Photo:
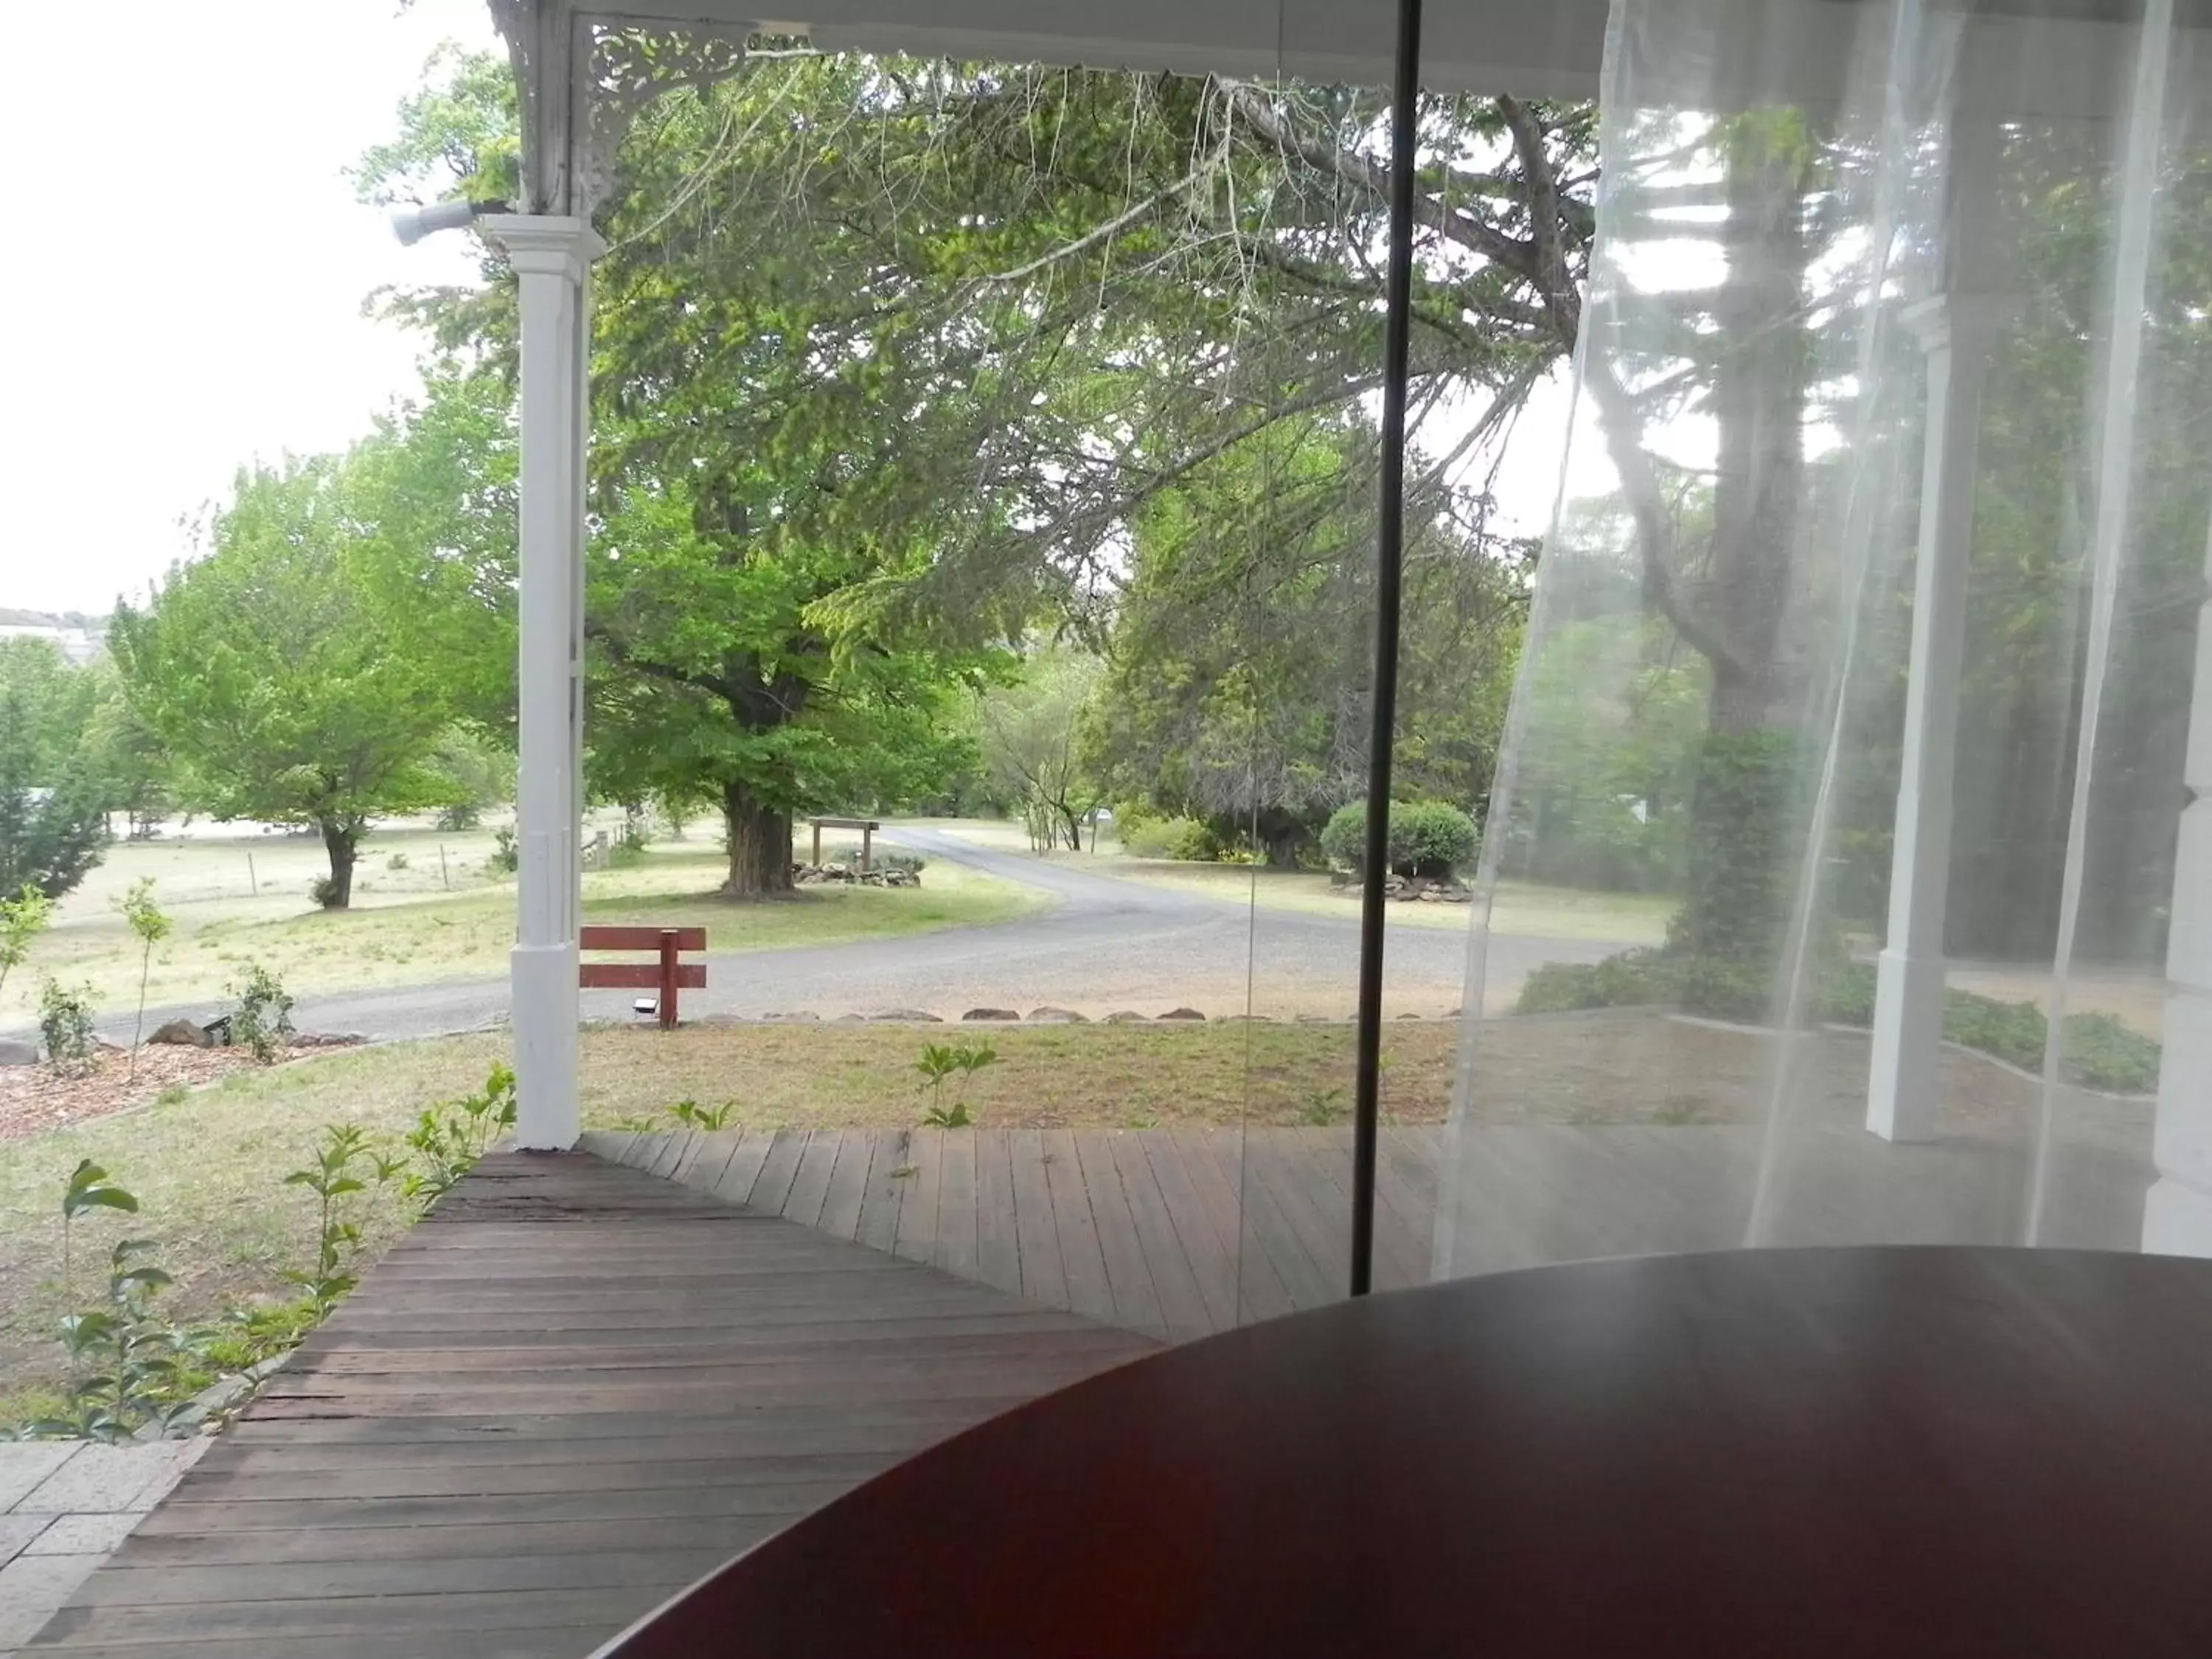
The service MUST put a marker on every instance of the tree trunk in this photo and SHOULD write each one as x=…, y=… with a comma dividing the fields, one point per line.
x=339, y=837
x=759, y=841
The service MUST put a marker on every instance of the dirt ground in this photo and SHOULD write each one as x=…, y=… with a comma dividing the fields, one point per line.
x=36, y=1098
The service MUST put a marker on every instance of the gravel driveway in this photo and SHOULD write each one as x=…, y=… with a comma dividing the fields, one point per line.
x=1104, y=944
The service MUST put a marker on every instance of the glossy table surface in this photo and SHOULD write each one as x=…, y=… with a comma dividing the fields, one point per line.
x=1874, y=1452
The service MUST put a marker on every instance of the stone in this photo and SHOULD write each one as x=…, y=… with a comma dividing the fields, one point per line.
x=183, y=1034
x=106, y=1479
x=83, y=1535
x=25, y=1463
x=1127, y=1016
x=1058, y=1017
x=799, y=1016
x=1182, y=1013
x=32, y=1590
x=18, y=1531
x=326, y=1039
x=991, y=1013
x=13, y=1053
x=910, y=1016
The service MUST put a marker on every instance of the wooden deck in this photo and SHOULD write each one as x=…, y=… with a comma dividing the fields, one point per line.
x=1175, y=1233
x=569, y=1392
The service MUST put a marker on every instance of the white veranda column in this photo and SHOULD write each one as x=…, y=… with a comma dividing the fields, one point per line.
x=1955, y=330
x=2177, y=1212
x=551, y=255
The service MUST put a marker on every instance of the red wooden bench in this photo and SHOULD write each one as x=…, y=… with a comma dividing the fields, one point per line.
x=667, y=977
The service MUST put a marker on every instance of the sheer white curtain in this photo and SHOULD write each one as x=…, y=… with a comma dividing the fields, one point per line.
x=1864, y=701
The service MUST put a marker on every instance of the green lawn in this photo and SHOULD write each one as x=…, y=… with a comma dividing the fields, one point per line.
x=407, y=929
x=209, y=1169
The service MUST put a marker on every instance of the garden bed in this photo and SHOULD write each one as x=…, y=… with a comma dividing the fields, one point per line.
x=36, y=1098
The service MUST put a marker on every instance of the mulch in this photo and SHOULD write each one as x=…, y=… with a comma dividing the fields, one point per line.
x=36, y=1098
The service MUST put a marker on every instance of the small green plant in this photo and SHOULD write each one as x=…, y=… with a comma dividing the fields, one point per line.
x=697, y=1116
x=397, y=861
x=22, y=919
x=124, y=1363
x=173, y=1094
x=503, y=858
x=1322, y=1107
x=149, y=927
x=939, y=1063
x=263, y=1019
x=449, y=1138
x=66, y=1023
x=330, y=1177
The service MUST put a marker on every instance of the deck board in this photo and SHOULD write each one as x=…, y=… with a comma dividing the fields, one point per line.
x=573, y=1390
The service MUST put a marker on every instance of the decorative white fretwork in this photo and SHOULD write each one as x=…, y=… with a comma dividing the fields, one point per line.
x=583, y=76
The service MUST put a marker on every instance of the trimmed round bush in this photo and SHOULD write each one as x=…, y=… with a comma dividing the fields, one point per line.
x=1344, y=836
x=1431, y=838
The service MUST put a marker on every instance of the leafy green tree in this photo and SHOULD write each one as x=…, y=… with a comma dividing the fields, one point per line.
x=283, y=669
x=53, y=822
x=22, y=919
x=901, y=353
x=1239, y=664
x=1031, y=735
x=149, y=925
x=714, y=674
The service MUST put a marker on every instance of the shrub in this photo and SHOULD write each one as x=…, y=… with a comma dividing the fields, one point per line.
x=503, y=858
x=1634, y=978
x=397, y=861
x=263, y=1016
x=459, y=817
x=911, y=862
x=2099, y=1051
x=1431, y=838
x=1344, y=837
x=1169, y=838
x=1434, y=837
x=323, y=890
x=2104, y=1053
x=65, y=1023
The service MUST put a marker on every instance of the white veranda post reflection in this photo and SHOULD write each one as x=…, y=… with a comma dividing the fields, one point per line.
x=1876, y=650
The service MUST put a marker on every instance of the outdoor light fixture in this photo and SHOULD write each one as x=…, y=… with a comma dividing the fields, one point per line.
x=412, y=224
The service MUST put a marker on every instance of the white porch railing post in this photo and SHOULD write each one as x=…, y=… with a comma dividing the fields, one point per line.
x=2178, y=1211
x=551, y=256
x=1955, y=330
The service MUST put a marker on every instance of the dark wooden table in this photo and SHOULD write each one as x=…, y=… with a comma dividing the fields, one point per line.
x=1876, y=1453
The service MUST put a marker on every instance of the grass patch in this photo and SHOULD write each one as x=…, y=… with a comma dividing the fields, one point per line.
x=857, y=1075
x=411, y=937
x=208, y=1171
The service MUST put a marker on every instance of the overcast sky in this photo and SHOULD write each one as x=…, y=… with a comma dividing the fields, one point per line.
x=186, y=263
